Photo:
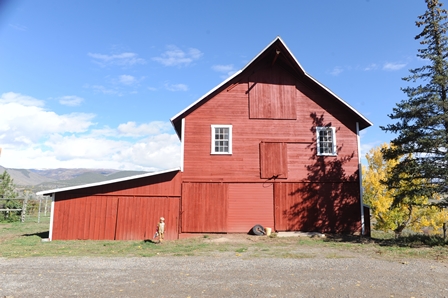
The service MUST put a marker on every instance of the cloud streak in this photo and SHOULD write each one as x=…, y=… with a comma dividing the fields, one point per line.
x=393, y=66
x=70, y=101
x=123, y=59
x=174, y=56
x=227, y=70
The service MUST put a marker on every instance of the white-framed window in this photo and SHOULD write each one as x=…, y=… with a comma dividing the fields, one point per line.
x=326, y=141
x=221, y=139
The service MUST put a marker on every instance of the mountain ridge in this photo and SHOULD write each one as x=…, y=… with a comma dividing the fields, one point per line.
x=44, y=179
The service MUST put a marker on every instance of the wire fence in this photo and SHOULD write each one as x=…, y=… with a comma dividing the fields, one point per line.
x=27, y=208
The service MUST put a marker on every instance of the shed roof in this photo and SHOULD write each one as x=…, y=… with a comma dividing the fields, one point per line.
x=276, y=44
x=52, y=191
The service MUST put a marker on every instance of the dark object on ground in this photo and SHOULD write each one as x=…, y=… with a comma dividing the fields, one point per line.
x=257, y=230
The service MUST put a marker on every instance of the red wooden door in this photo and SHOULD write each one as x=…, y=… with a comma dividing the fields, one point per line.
x=249, y=204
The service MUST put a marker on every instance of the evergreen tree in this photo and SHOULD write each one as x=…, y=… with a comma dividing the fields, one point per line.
x=7, y=195
x=422, y=119
x=7, y=190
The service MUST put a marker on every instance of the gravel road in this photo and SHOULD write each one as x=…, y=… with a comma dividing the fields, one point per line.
x=221, y=276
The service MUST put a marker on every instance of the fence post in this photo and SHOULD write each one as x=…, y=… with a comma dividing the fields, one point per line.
x=24, y=205
x=38, y=214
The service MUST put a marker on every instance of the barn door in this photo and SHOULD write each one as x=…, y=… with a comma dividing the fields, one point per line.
x=273, y=161
x=249, y=204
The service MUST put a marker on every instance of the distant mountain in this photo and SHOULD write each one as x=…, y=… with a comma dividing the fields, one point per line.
x=37, y=180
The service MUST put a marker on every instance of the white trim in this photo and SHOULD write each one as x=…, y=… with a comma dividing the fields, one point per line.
x=182, y=145
x=50, y=233
x=333, y=137
x=52, y=191
x=212, y=139
x=361, y=190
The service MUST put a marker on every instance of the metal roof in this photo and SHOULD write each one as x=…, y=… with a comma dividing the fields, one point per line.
x=51, y=191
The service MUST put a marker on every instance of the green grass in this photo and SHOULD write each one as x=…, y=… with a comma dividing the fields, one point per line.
x=25, y=240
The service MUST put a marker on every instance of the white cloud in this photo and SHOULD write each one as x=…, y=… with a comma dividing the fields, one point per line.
x=123, y=59
x=104, y=90
x=17, y=98
x=372, y=66
x=393, y=66
x=70, y=100
x=21, y=122
x=18, y=27
x=34, y=137
x=127, y=79
x=176, y=87
x=228, y=70
x=176, y=57
x=152, y=128
x=153, y=153
x=336, y=71
x=160, y=151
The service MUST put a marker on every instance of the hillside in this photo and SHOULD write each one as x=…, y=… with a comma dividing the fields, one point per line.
x=38, y=180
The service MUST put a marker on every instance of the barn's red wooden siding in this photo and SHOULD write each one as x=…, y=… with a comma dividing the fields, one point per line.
x=204, y=207
x=125, y=210
x=231, y=106
x=166, y=184
x=272, y=94
x=249, y=204
x=320, y=207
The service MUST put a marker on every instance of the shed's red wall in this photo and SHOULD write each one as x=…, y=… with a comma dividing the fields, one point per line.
x=127, y=210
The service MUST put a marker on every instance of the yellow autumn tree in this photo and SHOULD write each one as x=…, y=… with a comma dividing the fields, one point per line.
x=414, y=213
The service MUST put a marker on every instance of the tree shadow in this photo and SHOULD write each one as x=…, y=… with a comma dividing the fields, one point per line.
x=42, y=235
x=327, y=200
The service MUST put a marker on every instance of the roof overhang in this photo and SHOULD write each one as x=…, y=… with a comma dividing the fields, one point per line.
x=52, y=191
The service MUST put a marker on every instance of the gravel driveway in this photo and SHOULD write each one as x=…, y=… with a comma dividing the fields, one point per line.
x=221, y=276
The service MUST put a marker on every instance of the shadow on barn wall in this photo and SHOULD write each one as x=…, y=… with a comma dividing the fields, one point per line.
x=327, y=200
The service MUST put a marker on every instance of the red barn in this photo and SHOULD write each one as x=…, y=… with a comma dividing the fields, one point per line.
x=270, y=146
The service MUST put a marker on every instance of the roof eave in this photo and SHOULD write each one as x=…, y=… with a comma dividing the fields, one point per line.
x=51, y=191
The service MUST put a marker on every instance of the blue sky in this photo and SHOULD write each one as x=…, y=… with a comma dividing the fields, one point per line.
x=93, y=84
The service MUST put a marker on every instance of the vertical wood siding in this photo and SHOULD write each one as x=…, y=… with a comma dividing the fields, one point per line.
x=167, y=184
x=272, y=94
x=273, y=160
x=249, y=204
x=114, y=218
x=320, y=207
x=138, y=217
x=85, y=218
x=204, y=207
x=125, y=210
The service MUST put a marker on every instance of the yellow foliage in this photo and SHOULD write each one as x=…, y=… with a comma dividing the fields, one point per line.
x=414, y=214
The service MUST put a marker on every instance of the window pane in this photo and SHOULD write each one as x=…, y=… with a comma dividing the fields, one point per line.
x=222, y=139
x=325, y=141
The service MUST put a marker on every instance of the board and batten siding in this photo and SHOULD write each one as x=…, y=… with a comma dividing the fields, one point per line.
x=127, y=210
x=317, y=207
